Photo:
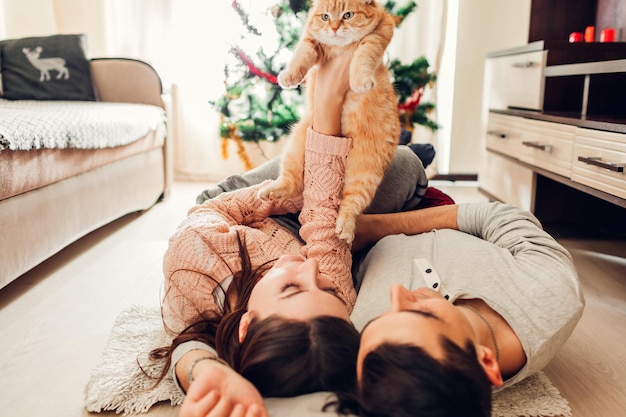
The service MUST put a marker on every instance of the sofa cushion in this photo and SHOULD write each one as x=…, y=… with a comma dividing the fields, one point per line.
x=46, y=68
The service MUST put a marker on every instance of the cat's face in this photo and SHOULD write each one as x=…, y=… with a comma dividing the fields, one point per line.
x=342, y=22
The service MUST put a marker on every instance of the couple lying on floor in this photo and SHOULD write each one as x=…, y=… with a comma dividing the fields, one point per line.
x=453, y=300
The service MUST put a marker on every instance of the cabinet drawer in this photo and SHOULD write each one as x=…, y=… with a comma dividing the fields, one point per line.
x=599, y=161
x=516, y=80
x=504, y=134
x=507, y=180
x=548, y=145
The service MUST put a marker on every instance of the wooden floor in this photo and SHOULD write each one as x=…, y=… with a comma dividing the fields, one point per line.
x=55, y=320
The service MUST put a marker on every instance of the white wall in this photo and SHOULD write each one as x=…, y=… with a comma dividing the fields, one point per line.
x=2, y=24
x=475, y=27
x=80, y=16
x=25, y=18
x=37, y=18
x=472, y=29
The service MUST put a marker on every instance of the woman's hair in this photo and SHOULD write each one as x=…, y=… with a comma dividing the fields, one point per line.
x=285, y=358
x=405, y=381
x=280, y=357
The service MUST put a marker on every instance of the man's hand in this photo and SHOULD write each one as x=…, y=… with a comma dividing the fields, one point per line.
x=219, y=391
x=370, y=228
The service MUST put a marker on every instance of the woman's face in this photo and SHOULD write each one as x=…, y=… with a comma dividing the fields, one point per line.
x=417, y=318
x=292, y=288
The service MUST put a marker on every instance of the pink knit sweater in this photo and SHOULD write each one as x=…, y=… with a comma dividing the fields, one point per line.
x=204, y=248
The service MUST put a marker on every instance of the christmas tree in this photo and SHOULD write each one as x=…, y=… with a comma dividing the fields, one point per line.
x=254, y=107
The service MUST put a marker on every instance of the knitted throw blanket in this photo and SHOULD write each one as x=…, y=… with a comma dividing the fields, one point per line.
x=117, y=384
x=38, y=124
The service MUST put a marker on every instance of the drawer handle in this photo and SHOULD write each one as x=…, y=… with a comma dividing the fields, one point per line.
x=597, y=161
x=526, y=64
x=537, y=145
x=497, y=134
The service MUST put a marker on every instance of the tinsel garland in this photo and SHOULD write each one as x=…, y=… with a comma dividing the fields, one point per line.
x=241, y=150
x=253, y=68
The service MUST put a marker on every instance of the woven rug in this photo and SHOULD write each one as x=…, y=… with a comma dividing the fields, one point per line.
x=117, y=384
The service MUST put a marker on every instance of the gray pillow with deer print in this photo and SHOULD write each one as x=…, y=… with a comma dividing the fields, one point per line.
x=46, y=68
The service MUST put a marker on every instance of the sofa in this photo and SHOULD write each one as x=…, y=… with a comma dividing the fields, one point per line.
x=52, y=194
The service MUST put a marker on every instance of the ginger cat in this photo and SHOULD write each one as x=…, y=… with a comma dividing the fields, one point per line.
x=370, y=115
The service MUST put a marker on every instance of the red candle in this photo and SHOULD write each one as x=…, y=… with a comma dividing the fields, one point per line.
x=590, y=34
x=607, y=35
x=575, y=37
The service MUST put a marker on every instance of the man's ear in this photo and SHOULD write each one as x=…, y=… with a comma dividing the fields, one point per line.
x=488, y=361
x=243, y=325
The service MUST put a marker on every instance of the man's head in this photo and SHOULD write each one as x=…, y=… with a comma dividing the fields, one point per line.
x=423, y=357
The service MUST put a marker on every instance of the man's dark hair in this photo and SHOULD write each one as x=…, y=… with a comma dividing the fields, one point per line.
x=405, y=381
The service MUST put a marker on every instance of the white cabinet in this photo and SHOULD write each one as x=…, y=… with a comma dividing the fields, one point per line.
x=548, y=145
x=599, y=161
x=516, y=81
x=559, y=121
x=504, y=134
x=503, y=179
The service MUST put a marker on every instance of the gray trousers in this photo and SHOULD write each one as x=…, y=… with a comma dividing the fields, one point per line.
x=401, y=189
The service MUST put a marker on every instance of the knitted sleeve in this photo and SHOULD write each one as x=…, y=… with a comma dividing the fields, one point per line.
x=242, y=206
x=324, y=168
x=268, y=170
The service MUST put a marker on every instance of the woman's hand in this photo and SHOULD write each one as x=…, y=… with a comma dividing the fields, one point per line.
x=219, y=391
x=331, y=85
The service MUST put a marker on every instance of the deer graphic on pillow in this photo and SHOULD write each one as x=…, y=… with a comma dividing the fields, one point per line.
x=44, y=65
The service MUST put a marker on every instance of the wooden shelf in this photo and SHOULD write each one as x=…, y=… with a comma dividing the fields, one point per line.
x=620, y=202
x=587, y=68
x=606, y=123
x=562, y=53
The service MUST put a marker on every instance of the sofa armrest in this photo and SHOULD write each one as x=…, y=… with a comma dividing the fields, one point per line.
x=125, y=80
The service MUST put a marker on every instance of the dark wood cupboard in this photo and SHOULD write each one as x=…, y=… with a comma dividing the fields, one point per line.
x=554, y=20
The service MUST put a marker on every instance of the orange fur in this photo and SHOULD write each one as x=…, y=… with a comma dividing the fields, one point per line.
x=370, y=115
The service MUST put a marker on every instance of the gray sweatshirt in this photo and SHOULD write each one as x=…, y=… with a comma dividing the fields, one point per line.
x=501, y=255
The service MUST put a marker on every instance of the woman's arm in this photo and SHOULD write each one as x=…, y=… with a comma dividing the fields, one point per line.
x=241, y=207
x=217, y=388
x=325, y=163
x=331, y=86
x=267, y=171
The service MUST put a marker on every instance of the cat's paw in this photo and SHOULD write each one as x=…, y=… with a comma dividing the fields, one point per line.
x=345, y=228
x=274, y=191
x=290, y=79
x=269, y=192
x=362, y=83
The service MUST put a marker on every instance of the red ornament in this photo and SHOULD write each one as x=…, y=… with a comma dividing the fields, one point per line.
x=412, y=102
